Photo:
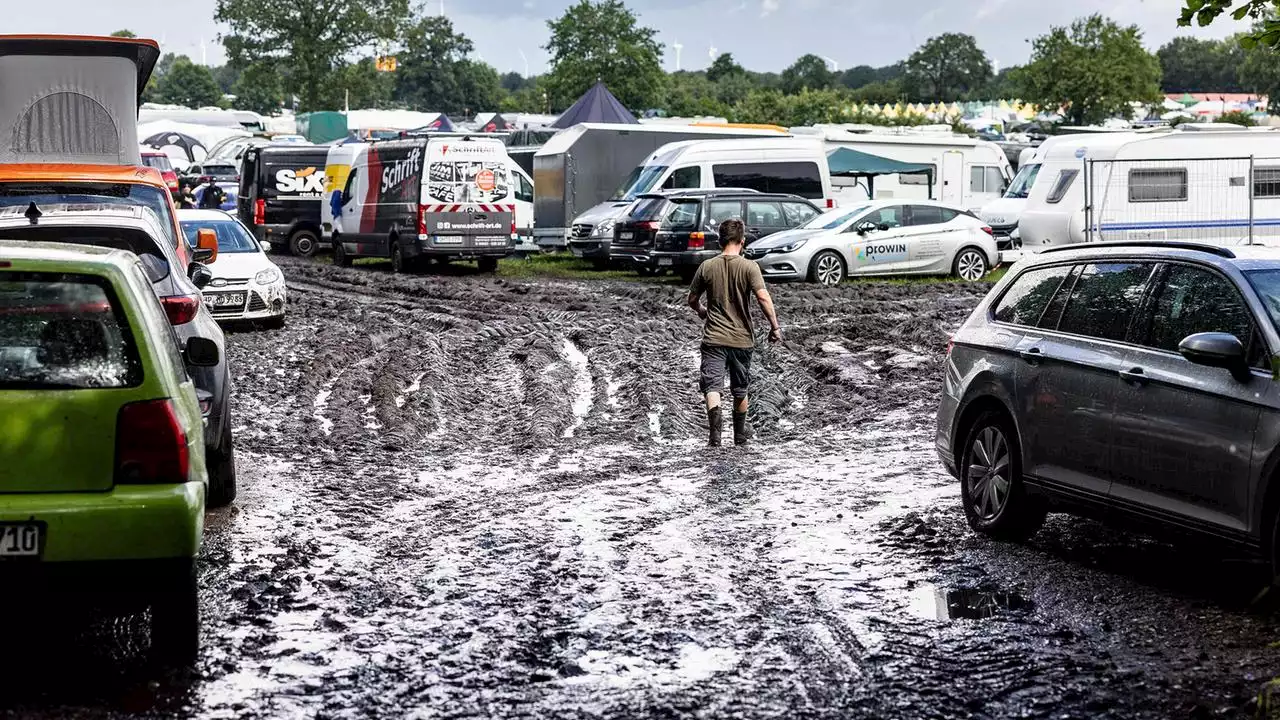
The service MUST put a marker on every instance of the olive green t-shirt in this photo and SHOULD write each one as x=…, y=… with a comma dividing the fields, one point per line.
x=730, y=282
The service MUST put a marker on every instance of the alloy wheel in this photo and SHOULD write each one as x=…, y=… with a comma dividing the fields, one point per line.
x=828, y=270
x=989, y=473
x=971, y=265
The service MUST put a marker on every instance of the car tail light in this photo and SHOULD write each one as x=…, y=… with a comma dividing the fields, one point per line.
x=697, y=240
x=422, y=219
x=987, y=229
x=150, y=444
x=181, y=309
x=649, y=225
x=831, y=203
x=260, y=212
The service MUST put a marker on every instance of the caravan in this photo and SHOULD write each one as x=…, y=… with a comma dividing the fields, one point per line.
x=1208, y=183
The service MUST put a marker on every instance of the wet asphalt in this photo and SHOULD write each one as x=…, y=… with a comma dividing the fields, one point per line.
x=463, y=496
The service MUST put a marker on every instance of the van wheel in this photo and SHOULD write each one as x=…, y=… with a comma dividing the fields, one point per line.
x=970, y=264
x=995, y=499
x=827, y=269
x=398, y=264
x=222, y=469
x=340, y=256
x=304, y=243
x=175, y=617
x=488, y=264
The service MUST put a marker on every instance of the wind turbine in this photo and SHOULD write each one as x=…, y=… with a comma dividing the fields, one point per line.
x=526, y=61
x=712, y=53
x=677, y=47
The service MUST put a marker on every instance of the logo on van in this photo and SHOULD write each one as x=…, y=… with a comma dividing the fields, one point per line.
x=306, y=180
x=409, y=167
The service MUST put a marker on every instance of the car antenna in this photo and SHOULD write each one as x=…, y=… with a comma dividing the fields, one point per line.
x=33, y=213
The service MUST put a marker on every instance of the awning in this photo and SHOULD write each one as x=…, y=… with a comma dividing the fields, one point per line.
x=855, y=163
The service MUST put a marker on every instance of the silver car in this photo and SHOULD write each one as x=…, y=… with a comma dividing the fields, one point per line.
x=881, y=237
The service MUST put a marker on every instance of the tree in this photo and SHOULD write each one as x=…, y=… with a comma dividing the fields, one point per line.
x=856, y=77
x=226, y=77
x=360, y=84
x=692, y=94
x=1238, y=117
x=878, y=93
x=435, y=74
x=123, y=34
x=311, y=35
x=189, y=84
x=1193, y=65
x=514, y=81
x=723, y=68
x=809, y=72
x=1094, y=69
x=767, y=106
x=601, y=40
x=259, y=88
x=1265, y=13
x=1259, y=73
x=947, y=67
x=732, y=88
x=481, y=87
x=531, y=98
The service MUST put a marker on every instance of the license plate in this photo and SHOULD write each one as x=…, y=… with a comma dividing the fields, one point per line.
x=664, y=261
x=224, y=299
x=21, y=540
x=625, y=235
x=448, y=239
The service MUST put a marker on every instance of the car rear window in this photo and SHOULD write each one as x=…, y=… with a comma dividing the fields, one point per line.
x=649, y=209
x=1028, y=295
x=159, y=162
x=135, y=241
x=63, y=331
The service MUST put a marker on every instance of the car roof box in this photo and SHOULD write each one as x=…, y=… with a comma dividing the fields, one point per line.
x=72, y=99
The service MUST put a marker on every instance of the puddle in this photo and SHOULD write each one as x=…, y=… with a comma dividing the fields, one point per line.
x=935, y=603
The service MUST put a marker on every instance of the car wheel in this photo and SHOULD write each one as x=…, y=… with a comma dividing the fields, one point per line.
x=827, y=269
x=175, y=617
x=340, y=256
x=304, y=243
x=222, y=469
x=488, y=264
x=970, y=264
x=995, y=499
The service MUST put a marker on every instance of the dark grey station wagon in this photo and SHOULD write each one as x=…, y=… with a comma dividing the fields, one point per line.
x=1132, y=382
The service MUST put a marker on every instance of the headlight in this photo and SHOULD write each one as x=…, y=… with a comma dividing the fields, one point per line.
x=791, y=246
x=267, y=276
x=605, y=229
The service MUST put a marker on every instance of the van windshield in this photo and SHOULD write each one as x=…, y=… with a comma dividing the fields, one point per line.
x=641, y=180
x=71, y=193
x=1020, y=188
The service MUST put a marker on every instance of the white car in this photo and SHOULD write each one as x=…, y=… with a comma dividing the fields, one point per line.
x=246, y=285
x=880, y=237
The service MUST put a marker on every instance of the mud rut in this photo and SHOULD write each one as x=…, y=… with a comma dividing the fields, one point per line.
x=468, y=497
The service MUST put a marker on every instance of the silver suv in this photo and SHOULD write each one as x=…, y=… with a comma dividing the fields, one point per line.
x=1128, y=381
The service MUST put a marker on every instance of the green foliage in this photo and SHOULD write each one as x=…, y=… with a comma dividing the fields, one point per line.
x=762, y=106
x=808, y=73
x=601, y=40
x=259, y=88
x=124, y=34
x=1238, y=117
x=436, y=74
x=691, y=94
x=723, y=68
x=311, y=36
x=362, y=83
x=532, y=98
x=1259, y=72
x=879, y=93
x=1266, y=29
x=948, y=67
x=1193, y=65
x=226, y=77
x=859, y=76
x=1094, y=69
x=189, y=84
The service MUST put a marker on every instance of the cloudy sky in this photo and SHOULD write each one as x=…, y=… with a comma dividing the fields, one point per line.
x=761, y=34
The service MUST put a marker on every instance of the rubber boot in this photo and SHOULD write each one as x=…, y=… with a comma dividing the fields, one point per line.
x=742, y=432
x=716, y=422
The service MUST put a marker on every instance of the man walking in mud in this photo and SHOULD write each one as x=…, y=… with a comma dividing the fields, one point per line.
x=729, y=281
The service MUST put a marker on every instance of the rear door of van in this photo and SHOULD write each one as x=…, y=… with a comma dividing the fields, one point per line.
x=294, y=185
x=468, y=200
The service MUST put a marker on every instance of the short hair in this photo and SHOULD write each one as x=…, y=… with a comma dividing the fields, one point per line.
x=732, y=232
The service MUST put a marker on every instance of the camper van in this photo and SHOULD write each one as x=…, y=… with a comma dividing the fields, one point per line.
x=951, y=168
x=440, y=198
x=579, y=168
x=343, y=157
x=1204, y=182
x=787, y=165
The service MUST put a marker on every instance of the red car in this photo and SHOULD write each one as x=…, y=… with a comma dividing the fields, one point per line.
x=160, y=161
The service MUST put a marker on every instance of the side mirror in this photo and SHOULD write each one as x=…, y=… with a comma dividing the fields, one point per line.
x=1215, y=349
x=206, y=246
x=201, y=352
x=199, y=274
x=864, y=227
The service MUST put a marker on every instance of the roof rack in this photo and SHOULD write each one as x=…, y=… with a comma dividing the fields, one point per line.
x=1199, y=247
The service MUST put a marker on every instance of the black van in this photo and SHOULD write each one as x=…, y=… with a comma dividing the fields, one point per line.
x=281, y=189
x=678, y=229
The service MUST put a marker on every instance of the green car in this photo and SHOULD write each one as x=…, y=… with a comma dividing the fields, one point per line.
x=102, y=465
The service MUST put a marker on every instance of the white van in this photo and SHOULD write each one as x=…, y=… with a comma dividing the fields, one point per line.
x=796, y=166
x=1208, y=183
x=439, y=198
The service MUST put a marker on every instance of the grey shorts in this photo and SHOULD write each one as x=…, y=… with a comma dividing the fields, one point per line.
x=716, y=359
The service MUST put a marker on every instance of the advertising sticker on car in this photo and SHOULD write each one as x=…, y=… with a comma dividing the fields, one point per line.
x=881, y=252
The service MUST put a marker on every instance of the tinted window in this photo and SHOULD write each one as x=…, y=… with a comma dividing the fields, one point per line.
x=682, y=215
x=720, y=210
x=1025, y=300
x=1061, y=185
x=926, y=215
x=648, y=208
x=798, y=214
x=1158, y=185
x=891, y=216
x=764, y=214
x=524, y=191
x=793, y=178
x=684, y=178
x=63, y=331
x=1104, y=298
x=1194, y=300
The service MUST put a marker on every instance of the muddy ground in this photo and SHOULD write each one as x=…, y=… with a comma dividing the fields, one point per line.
x=471, y=497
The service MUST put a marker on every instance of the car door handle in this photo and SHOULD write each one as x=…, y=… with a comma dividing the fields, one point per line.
x=1134, y=376
x=1032, y=355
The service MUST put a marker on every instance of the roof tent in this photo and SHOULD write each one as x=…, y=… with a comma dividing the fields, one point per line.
x=847, y=162
x=72, y=99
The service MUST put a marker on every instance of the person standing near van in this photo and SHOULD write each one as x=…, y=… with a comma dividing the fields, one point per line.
x=729, y=281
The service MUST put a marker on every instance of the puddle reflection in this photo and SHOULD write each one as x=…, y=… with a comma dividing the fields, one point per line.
x=935, y=603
